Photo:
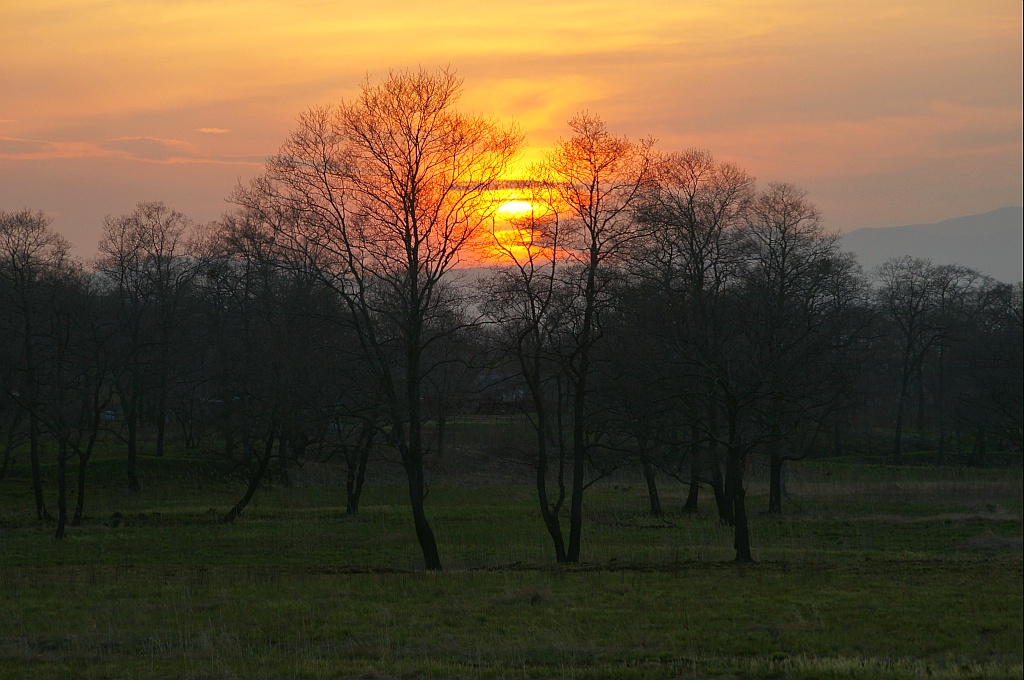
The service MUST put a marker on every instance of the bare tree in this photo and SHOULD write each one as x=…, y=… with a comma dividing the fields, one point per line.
x=775, y=321
x=680, y=271
x=521, y=301
x=588, y=187
x=918, y=300
x=986, y=369
x=634, y=397
x=74, y=387
x=30, y=255
x=804, y=297
x=270, y=324
x=382, y=194
x=142, y=258
x=252, y=348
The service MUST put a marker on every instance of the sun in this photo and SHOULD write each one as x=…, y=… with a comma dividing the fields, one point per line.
x=516, y=208
x=514, y=234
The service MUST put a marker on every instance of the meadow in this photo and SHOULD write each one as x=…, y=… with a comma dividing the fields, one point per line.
x=871, y=571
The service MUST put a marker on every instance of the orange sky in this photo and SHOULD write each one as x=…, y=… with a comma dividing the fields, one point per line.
x=886, y=112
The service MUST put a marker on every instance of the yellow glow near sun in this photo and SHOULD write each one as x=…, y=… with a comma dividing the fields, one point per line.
x=515, y=244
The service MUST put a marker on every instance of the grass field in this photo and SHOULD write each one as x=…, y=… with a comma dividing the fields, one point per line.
x=872, y=571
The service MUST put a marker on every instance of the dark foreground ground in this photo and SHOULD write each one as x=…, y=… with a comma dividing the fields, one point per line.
x=871, y=571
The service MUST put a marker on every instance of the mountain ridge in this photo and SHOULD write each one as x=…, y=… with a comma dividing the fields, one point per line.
x=992, y=243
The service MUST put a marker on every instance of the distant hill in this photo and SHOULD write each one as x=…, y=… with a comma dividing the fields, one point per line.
x=991, y=243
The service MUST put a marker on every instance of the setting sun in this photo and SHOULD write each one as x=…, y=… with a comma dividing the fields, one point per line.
x=513, y=237
x=516, y=208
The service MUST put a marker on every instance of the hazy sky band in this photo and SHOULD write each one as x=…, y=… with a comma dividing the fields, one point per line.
x=887, y=113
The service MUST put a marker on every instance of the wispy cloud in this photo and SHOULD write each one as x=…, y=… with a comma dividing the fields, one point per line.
x=11, y=147
x=36, y=149
x=151, y=148
x=212, y=131
x=144, y=149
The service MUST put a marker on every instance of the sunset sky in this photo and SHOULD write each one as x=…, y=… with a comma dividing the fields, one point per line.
x=886, y=112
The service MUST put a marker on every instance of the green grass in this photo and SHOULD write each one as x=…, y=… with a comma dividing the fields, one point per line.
x=885, y=619
x=871, y=572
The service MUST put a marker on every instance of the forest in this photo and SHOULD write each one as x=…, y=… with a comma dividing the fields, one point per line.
x=624, y=385
x=635, y=307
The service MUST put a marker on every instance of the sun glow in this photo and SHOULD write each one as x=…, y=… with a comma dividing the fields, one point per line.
x=516, y=244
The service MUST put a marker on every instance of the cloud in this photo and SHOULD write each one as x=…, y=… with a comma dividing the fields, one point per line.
x=140, y=148
x=35, y=149
x=135, y=149
x=11, y=147
x=151, y=148
x=212, y=131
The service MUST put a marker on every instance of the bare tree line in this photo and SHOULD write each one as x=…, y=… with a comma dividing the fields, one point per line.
x=653, y=309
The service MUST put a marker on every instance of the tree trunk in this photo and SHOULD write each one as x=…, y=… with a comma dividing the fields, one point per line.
x=76, y=521
x=84, y=456
x=919, y=389
x=580, y=379
x=424, y=534
x=442, y=420
x=355, y=462
x=692, y=494
x=161, y=413
x=33, y=422
x=62, y=490
x=652, y=488
x=775, y=483
x=132, y=423
x=282, y=457
x=737, y=494
x=83, y=460
x=725, y=511
x=161, y=431
x=254, y=479
x=776, y=461
x=549, y=514
x=572, y=553
x=354, y=482
x=901, y=407
x=695, y=471
x=6, y=465
x=579, y=449
x=37, y=473
x=940, y=399
x=412, y=452
x=548, y=511
x=5, y=468
x=742, y=542
x=978, y=451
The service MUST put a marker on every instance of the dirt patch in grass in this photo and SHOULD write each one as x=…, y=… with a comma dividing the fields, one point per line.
x=989, y=542
x=988, y=515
